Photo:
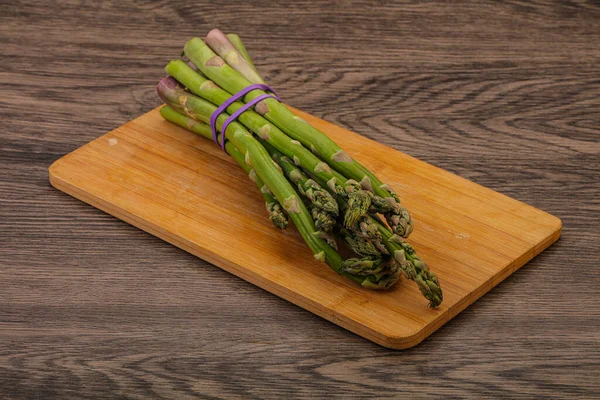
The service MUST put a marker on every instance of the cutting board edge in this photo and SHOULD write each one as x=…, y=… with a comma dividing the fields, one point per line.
x=397, y=342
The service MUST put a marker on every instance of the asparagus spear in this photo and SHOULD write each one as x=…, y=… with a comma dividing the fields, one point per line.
x=217, y=40
x=239, y=45
x=367, y=230
x=324, y=220
x=318, y=196
x=385, y=282
x=373, y=266
x=413, y=267
x=324, y=208
x=386, y=272
x=277, y=215
x=358, y=244
x=328, y=238
x=183, y=102
x=359, y=199
x=368, y=265
x=232, y=81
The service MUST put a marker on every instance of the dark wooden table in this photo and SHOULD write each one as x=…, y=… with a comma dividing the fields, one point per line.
x=505, y=94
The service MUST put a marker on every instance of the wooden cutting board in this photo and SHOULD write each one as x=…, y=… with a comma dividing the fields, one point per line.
x=185, y=190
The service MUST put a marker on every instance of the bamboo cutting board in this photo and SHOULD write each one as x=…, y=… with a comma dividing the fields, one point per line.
x=185, y=190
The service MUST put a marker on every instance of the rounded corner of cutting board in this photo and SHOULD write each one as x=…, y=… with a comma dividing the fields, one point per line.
x=403, y=342
x=53, y=174
x=558, y=225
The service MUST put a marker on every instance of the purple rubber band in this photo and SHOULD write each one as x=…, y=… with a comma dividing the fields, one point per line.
x=235, y=115
x=239, y=112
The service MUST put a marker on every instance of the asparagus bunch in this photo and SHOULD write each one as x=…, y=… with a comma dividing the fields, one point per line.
x=255, y=155
x=300, y=172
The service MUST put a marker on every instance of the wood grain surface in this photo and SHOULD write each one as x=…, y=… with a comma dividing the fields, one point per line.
x=506, y=94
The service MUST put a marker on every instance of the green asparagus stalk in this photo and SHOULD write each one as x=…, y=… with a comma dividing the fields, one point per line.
x=378, y=204
x=372, y=262
x=277, y=215
x=328, y=238
x=359, y=199
x=379, y=268
x=217, y=40
x=324, y=208
x=368, y=265
x=228, y=78
x=413, y=267
x=367, y=229
x=183, y=102
x=236, y=41
x=318, y=196
x=358, y=244
x=385, y=282
x=324, y=220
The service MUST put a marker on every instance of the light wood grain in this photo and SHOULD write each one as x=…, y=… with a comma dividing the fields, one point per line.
x=179, y=187
x=505, y=94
